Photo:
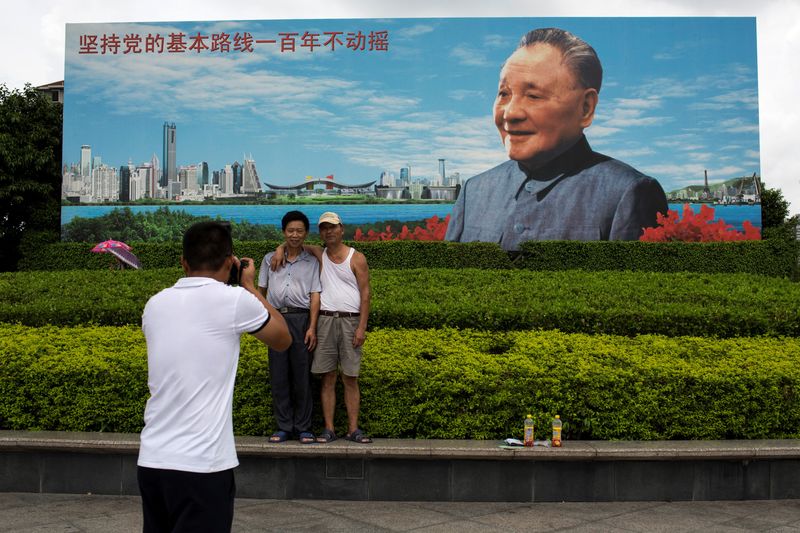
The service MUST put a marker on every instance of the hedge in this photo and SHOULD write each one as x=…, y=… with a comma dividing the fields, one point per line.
x=624, y=303
x=442, y=384
x=774, y=257
x=380, y=255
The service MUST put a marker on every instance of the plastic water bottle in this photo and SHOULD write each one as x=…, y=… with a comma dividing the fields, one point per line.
x=528, y=439
x=557, y=431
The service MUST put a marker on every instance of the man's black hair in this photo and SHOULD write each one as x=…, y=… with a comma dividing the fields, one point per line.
x=291, y=216
x=206, y=245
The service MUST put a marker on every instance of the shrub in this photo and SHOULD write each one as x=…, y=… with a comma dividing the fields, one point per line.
x=770, y=257
x=623, y=303
x=442, y=383
x=380, y=255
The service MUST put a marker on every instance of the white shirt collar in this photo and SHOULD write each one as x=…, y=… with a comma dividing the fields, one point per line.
x=189, y=282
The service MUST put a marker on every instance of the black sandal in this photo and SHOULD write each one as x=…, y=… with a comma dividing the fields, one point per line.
x=359, y=437
x=326, y=436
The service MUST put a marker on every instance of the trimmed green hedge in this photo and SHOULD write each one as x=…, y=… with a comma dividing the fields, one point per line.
x=442, y=384
x=380, y=255
x=623, y=303
x=774, y=257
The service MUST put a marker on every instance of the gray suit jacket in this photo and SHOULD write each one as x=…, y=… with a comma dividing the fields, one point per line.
x=581, y=195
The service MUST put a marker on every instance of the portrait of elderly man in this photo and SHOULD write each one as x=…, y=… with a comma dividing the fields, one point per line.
x=554, y=186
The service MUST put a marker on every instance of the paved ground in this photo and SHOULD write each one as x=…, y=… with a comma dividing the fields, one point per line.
x=119, y=514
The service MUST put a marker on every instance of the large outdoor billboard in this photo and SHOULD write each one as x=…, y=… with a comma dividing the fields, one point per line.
x=388, y=119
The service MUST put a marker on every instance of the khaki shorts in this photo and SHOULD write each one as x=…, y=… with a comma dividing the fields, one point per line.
x=335, y=346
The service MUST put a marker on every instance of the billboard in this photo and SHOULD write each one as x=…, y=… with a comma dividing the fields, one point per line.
x=390, y=119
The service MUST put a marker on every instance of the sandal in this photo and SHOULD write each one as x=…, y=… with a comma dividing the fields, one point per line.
x=326, y=436
x=306, y=437
x=359, y=437
x=279, y=436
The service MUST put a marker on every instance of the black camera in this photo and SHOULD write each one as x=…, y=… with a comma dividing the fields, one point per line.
x=236, y=273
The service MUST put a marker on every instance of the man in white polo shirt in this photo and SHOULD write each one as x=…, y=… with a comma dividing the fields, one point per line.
x=187, y=452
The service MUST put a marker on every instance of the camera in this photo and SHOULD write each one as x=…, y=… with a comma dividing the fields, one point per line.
x=235, y=277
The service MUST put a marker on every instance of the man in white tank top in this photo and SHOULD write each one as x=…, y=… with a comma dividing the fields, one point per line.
x=342, y=326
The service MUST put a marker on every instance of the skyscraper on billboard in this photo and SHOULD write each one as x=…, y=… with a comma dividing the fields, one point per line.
x=226, y=180
x=237, y=177
x=86, y=161
x=170, y=171
x=151, y=189
x=125, y=183
x=250, y=181
x=202, y=173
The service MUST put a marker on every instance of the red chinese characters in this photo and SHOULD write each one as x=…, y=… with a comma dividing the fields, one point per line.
x=87, y=44
x=154, y=44
x=178, y=43
x=220, y=42
x=243, y=42
x=133, y=44
x=198, y=43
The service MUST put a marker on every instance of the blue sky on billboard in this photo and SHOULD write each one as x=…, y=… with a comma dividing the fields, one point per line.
x=680, y=95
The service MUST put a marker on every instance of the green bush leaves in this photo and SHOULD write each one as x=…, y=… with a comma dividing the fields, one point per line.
x=442, y=383
x=773, y=257
x=621, y=303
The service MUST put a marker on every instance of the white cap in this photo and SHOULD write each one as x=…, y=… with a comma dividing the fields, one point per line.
x=329, y=217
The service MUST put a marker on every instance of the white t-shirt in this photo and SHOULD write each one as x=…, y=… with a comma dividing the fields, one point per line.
x=192, y=331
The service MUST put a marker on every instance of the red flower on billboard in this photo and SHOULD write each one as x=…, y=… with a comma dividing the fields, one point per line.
x=434, y=230
x=697, y=227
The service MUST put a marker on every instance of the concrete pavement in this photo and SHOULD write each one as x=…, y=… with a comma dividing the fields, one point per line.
x=66, y=513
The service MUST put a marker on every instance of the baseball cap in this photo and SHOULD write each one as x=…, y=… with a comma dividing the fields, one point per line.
x=330, y=218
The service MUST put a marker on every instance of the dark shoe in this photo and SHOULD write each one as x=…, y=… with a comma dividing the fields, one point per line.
x=358, y=436
x=326, y=436
x=279, y=436
x=306, y=437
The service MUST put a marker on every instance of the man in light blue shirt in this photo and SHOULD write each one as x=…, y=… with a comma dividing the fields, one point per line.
x=294, y=290
x=554, y=187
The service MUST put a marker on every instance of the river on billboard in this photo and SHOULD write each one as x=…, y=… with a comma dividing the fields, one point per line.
x=472, y=129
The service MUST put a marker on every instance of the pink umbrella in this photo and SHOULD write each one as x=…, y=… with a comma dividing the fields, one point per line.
x=109, y=245
x=121, y=251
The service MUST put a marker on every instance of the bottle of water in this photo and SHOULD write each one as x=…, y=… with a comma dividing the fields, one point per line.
x=528, y=439
x=557, y=431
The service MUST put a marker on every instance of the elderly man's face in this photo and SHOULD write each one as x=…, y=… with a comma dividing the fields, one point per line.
x=540, y=109
x=331, y=234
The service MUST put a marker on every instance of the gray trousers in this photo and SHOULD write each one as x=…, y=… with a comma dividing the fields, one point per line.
x=290, y=379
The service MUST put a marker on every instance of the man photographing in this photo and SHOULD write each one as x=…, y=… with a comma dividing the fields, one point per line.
x=187, y=452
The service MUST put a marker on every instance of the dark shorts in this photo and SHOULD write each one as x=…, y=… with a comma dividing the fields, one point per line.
x=177, y=501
